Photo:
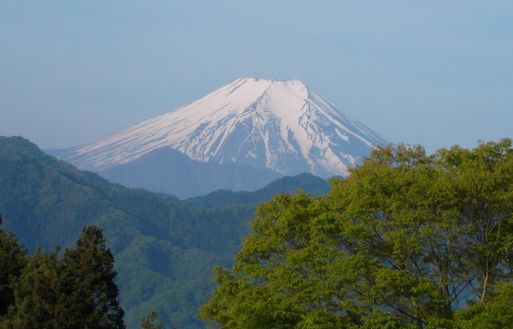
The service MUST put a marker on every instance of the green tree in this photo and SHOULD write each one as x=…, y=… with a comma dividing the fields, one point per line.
x=39, y=297
x=13, y=258
x=92, y=299
x=398, y=244
x=496, y=313
x=279, y=277
x=75, y=291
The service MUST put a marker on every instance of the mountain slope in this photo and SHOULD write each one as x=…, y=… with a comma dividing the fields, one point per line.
x=164, y=250
x=223, y=198
x=166, y=170
x=280, y=125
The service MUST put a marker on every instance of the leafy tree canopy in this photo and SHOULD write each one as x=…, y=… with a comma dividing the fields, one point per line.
x=409, y=240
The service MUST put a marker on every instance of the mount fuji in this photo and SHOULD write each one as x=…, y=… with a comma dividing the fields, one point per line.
x=283, y=127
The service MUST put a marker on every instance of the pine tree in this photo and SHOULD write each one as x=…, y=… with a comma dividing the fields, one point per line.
x=39, y=296
x=90, y=276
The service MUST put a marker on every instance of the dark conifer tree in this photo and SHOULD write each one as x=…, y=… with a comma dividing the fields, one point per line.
x=90, y=277
x=13, y=258
x=39, y=296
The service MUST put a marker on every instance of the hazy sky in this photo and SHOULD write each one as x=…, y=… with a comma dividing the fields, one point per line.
x=432, y=72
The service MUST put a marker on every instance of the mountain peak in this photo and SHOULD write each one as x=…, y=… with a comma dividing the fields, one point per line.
x=276, y=124
x=253, y=88
x=269, y=80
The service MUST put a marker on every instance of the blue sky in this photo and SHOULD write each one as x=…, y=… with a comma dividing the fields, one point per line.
x=436, y=73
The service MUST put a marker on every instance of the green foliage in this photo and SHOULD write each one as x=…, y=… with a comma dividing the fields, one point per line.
x=39, y=296
x=496, y=313
x=77, y=291
x=13, y=260
x=399, y=244
x=89, y=272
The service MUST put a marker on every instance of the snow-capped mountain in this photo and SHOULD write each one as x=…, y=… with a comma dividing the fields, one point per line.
x=279, y=125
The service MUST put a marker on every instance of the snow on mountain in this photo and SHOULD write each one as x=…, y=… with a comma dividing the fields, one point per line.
x=280, y=125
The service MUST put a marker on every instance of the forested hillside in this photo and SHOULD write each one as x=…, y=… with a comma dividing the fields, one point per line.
x=224, y=198
x=164, y=250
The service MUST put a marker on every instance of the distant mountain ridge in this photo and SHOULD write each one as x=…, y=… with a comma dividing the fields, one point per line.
x=223, y=198
x=166, y=170
x=283, y=126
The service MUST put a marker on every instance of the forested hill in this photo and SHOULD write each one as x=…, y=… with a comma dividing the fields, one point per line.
x=164, y=249
x=290, y=184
